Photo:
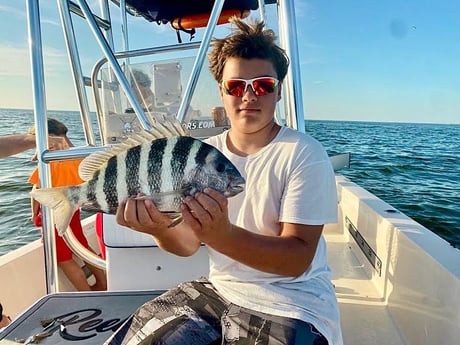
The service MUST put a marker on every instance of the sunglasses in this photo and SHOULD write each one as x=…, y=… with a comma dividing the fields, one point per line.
x=260, y=86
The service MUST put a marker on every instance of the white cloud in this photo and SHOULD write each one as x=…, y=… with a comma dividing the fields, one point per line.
x=15, y=61
x=9, y=10
x=50, y=21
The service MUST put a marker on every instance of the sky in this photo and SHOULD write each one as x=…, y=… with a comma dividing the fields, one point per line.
x=391, y=60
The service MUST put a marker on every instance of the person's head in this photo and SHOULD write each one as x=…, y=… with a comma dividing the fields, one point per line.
x=4, y=320
x=249, y=68
x=140, y=78
x=55, y=128
x=248, y=41
x=141, y=83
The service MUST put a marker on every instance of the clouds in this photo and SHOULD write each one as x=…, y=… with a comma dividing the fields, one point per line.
x=15, y=60
x=15, y=11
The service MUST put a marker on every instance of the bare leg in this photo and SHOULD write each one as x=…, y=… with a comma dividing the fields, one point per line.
x=101, y=279
x=74, y=272
x=99, y=275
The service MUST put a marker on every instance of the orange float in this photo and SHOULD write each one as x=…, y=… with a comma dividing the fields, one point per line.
x=201, y=20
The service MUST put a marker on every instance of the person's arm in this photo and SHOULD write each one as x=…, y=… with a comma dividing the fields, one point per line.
x=16, y=143
x=288, y=254
x=34, y=205
x=206, y=221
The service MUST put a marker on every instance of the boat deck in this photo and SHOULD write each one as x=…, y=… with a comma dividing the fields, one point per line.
x=365, y=316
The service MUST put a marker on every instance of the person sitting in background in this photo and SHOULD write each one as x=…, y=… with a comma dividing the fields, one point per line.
x=4, y=319
x=16, y=143
x=141, y=84
x=65, y=173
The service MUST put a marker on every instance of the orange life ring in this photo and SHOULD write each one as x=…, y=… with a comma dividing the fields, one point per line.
x=201, y=20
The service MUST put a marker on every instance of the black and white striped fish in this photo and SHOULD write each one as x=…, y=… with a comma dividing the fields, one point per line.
x=165, y=166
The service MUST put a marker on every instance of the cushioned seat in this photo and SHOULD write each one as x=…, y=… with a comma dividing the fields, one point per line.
x=135, y=262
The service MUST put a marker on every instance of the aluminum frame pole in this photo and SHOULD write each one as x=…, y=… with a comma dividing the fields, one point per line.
x=292, y=83
x=41, y=130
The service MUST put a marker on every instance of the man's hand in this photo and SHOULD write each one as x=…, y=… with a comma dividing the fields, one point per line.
x=142, y=215
x=207, y=215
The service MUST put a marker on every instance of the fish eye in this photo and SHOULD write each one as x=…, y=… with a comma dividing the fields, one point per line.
x=220, y=167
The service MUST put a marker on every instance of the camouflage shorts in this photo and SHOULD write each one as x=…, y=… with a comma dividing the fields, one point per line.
x=195, y=314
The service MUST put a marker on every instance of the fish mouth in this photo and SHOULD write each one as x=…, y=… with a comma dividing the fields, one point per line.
x=235, y=186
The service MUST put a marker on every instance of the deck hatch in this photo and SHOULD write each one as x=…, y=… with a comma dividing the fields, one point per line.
x=365, y=247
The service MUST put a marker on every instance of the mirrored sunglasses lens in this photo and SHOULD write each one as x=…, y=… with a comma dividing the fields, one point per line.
x=264, y=86
x=235, y=87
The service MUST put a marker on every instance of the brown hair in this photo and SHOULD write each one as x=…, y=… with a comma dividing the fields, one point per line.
x=247, y=41
x=140, y=78
x=55, y=127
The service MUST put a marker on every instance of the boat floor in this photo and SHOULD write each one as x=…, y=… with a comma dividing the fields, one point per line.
x=364, y=314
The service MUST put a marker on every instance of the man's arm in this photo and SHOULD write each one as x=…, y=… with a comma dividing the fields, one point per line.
x=16, y=143
x=288, y=254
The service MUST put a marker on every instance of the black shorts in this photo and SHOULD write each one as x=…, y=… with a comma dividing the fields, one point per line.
x=195, y=314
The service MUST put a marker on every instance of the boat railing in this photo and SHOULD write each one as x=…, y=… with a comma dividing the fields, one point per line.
x=114, y=87
x=101, y=29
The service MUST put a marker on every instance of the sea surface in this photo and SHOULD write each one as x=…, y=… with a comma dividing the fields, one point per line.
x=413, y=167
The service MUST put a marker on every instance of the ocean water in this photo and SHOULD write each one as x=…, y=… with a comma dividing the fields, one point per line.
x=414, y=167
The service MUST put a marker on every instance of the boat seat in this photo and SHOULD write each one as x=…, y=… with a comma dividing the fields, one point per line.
x=136, y=262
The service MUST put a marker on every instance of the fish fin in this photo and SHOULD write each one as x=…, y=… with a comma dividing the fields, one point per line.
x=93, y=162
x=57, y=199
x=90, y=207
x=169, y=127
x=158, y=196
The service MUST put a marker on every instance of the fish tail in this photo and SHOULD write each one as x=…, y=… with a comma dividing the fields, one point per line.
x=58, y=199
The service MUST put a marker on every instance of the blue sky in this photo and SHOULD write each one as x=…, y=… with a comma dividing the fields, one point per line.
x=368, y=60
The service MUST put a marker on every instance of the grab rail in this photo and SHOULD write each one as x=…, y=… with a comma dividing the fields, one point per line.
x=190, y=89
x=41, y=129
x=129, y=54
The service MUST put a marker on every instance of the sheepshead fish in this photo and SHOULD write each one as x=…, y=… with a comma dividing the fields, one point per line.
x=164, y=165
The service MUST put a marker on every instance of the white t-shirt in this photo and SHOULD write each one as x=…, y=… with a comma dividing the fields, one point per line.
x=290, y=180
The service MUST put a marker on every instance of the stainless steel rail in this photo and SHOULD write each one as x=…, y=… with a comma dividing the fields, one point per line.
x=198, y=64
x=129, y=54
x=116, y=68
x=292, y=84
x=41, y=130
x=77, y=72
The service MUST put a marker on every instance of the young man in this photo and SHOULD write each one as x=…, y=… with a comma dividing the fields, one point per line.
x=269, y=281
